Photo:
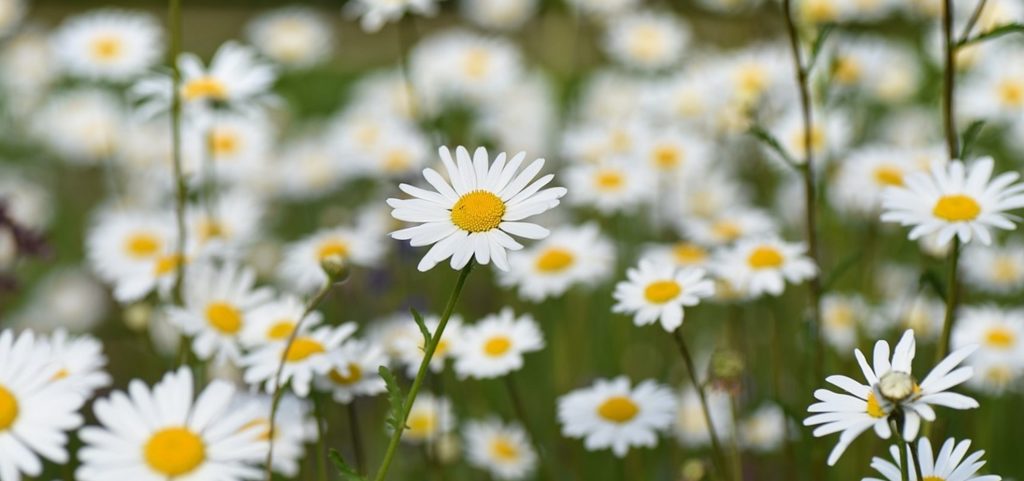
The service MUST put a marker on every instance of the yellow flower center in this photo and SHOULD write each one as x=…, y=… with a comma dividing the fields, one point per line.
x=281, y=330
x=1005, y=270
x=174, y=451
x=956, y=208
x=817, y=139
x=302, y=348
x=888, y=175
x=476, y=63
x=999, y=375
x=204, y=88
x=933, y=478
x=333, y=247
x=818, y=11
x=726, y=230
x=261, y=424
x=63, y=373
x=751, y=80
x=686, y=253
x=660, y=292
x=841, y=316
x=1011, y=93
x=224, y=143
x=609, y=180
x=397, y=160
x=765, y=257
x=667, y=157
x=618, y=409
x=141, y=245
x=497, y=345
x=8, y=409
x=224, y=317
x=421, y=424
x=211, y=229
x=106, y=48
x=647, y=43
x=555, y=260
x=846, y=70
x=478, y=211
x=874, y=409
x=353, y=376
x=168, y=263
x=504, y=450
x=1000, y=338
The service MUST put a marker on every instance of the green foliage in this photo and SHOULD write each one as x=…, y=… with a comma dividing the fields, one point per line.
x=396, y=400
x=773, y=144
x=994, y=33
x=423, y=327
x=348, y=473
x=819, y=43
x=970, y=137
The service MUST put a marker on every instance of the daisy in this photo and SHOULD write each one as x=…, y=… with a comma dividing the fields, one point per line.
x=763, y=265
x=655, y=293
x=495, y=346
x=301, y=266
x=226, y=149
x=955, y=200
x=680, y=254
x=950, y=463
x=611, y=414
x=354, y=371
x=569, y=256
x=82, y=125
x=165, y=433
x=119, y=242
x=69, y=298
x=727, y=226
x=472, y=217
x=864, y=174
x=670, y=152
x=109, y=44
x=430, y=419
x=923, y=314
x=891, y=387
x=35, y=413
x=374, y=14
x=764, y=430
x=503, y=450
x=307, y=357
x=293, y=428
x=883, y=69
x=79, y=361
x=461, y=67
x=999, y=334
x=293, y=36
x=995, y=269
x=610, y=187
x=498, y=14
x=646, y=40
x=841, y=316
x=273, y=321
x=216, y=303
x=225, y=225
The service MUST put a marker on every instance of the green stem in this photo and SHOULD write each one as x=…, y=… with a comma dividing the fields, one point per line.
x=952, y=295
x=174, y=21
x=902, y=444
x=917, y=462
x=949, y=80
x=321, y=440
x=428, y=354
x=716, y=446
x=357, y=438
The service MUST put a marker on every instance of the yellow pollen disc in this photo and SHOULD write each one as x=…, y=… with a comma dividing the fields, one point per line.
x=476, y=63
x=888, y=175
x=353, y=376
x=62, y=374
x=421, y=425
x=873, y=408
x=106, y=48
x=280, y=330
x=932, y=478
x=818, y=11
x=686, y=253
x=504, y=450
x=841, y=316
x=211, y=229
x=817, y=139
x=8, y=408
x=497, y=345
x=141, y=245
x=609, y=180
x=302, y=348
x=1011, y=93
x=1000, y=338
x=846, y=70
x=660, y=292
x=397, y=160
x=261, y=424
x=618, y=409
x=441, y=349
x=478, y=211
x=168, y=263
x=224, y=317
x=751, y=80
x=174, y=451
x=555, y=260
x=646, y=43
x=620, y=141
x=224, y=143
x=765, y=257
x=667, y=157
x=999, y=375
x=204, y=88
x=367, y=135
x=1005, y=270
x=333, y=247
x=956, y=208
x=726, y=230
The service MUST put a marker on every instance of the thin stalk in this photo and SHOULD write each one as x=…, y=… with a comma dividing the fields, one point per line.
x=917, y=463
x=949, y=81
x=278, y=391
x=357, y=438
x=520, y=409
x=904, y=462
x=975, y=16
x=716, y=446
x=734, y=448
x=174, y=25
x=952, y=295
x=428, y=354
x=321, y=439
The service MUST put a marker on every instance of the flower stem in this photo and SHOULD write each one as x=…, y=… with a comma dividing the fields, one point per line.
x=949, y=80
x=917, y=463
x=321, y=440
x=428, y=354
x=716, y=446
x=357, y=438
x=952, y=295
x=904, y=463
x=174, y=25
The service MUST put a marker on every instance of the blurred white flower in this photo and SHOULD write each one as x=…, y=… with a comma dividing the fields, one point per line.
x=115, y=45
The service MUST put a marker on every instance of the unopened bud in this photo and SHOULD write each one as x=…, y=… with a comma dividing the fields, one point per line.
x=137, y=316
x=336, y=268
x=896, y=386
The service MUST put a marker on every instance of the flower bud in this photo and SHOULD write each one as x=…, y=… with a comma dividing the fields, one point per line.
x=336, y=268
x=896, y=386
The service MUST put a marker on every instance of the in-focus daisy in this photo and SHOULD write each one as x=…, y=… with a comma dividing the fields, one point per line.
x=655, y=293
x=611, y=414
x=166, y=433
x=35, y=412
x=503, y=450
x=354, y=371
x=646, y=40
x=995, y=269
x=430, y=419
x=999, y=333
x=571, y=255
x=79, y=360
x=474, y=215
x=951, y=463
x=108, y=44
x=216, y=304
x=494, y=346
x=292, y=36
x=293, y=428
x=306, y=358
x=955, y=200
x=890, y=386
x=764, y=265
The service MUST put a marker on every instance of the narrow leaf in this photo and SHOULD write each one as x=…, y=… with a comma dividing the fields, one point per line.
x=994, y=33
x=819, y=43
x=396, y=400
x=970, y=136
x=423, y=327
x=347, y=472
x=772, y=143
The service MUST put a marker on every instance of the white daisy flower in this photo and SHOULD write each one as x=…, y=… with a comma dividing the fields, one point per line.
x=691, y=427
x=354, y=371
x=79, y=359
x=66, y=298
x=430, y=419
x=293, y=36
x=226, y=225
x=885, y=70
x=498, y=14
x=216, y=304
x=764, y=430
x=294, y=427
x=301, y=267
x=727, y=226
x=999, y=360
x=35, y=413
x=611, y=414
x=646, y=40
x=841, y=317
x=473, y=217
x=503, y=450
x=864, y=174
x=763, y=265
x=109, y=44
x=569, y=256
x=891, y=387
x=680, y=254
x=494, y=346
x=462, y=67
x=307, y=357
x=923, y=314
x=226, y=148
x=121, y=241
x=956, y=201
x=83, y=125
x=374, y=14
x=951, y=463
x=654, y=293
x=272, y=322
x=994, y=269
x=167, y=433
x=609, y=187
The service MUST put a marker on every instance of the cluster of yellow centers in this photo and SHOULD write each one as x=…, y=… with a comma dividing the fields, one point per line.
x=303, y=348
x=497, y=346
x=478, y=211
x=204, y=88
x=504, y=450
x=660, y=292
x=8, y=409
x=1000, y=337
x=956, y=208
x=355, y=373
x=618, y=409
x=765, y=257
x=554, y=260
x=106, y=48
x=224, y=317
x=174, y=451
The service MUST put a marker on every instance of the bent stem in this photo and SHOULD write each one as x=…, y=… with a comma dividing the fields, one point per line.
x=716, y=447
x=278, y=391
x=428, y=354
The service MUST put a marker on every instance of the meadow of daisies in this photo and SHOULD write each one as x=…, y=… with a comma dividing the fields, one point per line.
x=507, y=240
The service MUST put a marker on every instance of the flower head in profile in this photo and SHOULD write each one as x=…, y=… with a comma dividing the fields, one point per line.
x=891, y=388
x=473, y=215
x=659, y=292
x=955, y=200
x=951, y=464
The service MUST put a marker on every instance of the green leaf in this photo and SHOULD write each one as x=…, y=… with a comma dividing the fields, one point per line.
x=396, y=400
x=347, y=472
x=994, y=33
x=819, y=43
x=423, y=327
x=970, y=136
x=772, y=143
